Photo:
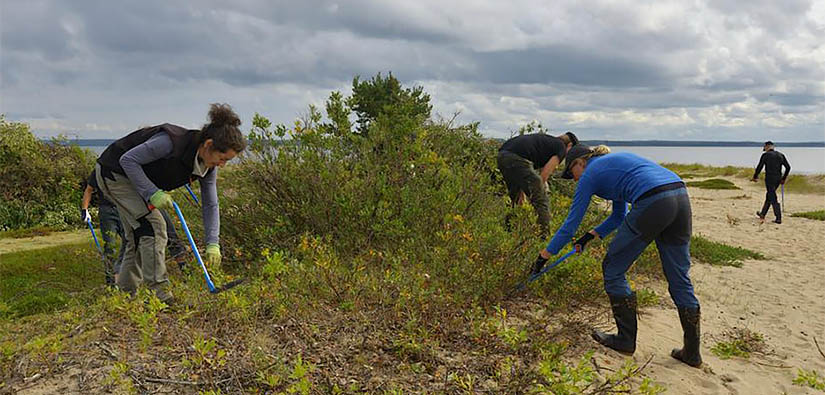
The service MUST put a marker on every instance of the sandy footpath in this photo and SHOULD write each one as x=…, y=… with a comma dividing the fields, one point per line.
x=782, y=298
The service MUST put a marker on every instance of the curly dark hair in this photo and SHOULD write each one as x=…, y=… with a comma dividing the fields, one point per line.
x=223, y=129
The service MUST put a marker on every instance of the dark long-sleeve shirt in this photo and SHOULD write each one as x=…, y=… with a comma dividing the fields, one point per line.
x=773, y=161
x=160, y=146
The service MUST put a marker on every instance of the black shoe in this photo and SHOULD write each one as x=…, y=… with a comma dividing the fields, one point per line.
x=624, y=313
x=689, y=317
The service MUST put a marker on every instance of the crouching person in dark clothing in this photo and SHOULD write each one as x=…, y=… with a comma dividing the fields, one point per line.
x=135, y=172
x=660, y=212
x=519, y=159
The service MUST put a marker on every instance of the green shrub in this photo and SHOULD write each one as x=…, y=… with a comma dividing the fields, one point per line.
x=713, y=183
x=40, y=185
x=408, y=211
x=817, y=215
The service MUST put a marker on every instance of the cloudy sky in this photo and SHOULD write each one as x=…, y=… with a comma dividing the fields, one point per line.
x=664, y=69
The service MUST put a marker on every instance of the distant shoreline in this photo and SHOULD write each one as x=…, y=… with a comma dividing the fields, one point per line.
x=613, y=143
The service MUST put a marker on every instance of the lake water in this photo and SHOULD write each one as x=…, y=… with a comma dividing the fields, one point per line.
x=802, y=159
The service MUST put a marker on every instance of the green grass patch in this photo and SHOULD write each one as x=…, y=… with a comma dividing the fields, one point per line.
x=713, y=183
x=810, y=379
x=740, y=343
x=43, y=280
x=714, y=253
x=27, y=232
x=817, y=215
x=803, y=183
x=696, y=170
x=647, y=297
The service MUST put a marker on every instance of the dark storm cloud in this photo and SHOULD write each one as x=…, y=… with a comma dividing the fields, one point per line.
x=664, y=58
x=565, y=65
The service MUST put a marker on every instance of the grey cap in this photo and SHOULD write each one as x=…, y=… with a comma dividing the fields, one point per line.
x=576, y=152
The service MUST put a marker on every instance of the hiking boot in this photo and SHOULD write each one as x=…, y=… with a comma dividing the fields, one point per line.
x=624, y=313
x=689, y=317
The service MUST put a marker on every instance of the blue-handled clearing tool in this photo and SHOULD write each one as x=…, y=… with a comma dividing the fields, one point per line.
x=535, y=276
x=209, y=284
x=192, y=194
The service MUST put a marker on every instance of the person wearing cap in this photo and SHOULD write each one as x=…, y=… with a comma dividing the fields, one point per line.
x=773, y=161
x=519, y=159
x=660, y=212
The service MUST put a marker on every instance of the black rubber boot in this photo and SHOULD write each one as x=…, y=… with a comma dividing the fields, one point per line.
x=689, y=317
x=624, y=312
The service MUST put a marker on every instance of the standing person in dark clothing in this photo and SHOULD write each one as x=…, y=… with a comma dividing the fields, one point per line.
x=518, y=160
x=660, y=212
x=773, y=161
x=135, y=172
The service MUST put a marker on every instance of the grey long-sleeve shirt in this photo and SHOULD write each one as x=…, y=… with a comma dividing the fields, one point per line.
x=157, y=147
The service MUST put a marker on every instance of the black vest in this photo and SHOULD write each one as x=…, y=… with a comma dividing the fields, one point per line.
x=169, y=173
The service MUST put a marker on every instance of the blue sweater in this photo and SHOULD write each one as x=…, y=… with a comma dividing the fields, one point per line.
x=621, y=177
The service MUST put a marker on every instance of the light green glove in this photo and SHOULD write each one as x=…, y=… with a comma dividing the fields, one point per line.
x=162, y=200
x=213, y=254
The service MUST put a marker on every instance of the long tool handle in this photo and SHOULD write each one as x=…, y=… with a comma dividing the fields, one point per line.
x=194, y=249
x=556, y=263
x=195, y=197
x=94, y=236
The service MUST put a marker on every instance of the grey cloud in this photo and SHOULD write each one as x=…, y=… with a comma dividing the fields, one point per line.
x=565, y=65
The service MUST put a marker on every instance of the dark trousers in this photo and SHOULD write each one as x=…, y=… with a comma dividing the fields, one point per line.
x=666, y=218
x=771, y=183
x=110, y=226
x=519, y=176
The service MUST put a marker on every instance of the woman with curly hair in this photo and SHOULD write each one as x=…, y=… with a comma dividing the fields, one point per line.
x=136, y=172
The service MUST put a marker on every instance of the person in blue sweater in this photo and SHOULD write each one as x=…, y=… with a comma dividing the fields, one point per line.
x=660, y=212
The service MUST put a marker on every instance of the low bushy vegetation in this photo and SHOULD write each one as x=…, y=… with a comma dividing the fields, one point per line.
x=713, y=183
x=713, y=253
x=739, y=342
x=818, y=215
x=809, y=378
x=40, y=185
x=378, y=261
x=796, y=183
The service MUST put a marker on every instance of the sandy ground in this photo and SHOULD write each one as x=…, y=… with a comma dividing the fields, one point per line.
x=782, y=298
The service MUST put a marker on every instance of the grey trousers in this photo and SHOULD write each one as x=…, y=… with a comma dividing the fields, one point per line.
x=145, y=234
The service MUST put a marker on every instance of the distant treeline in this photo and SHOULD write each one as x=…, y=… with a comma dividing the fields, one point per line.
x=612, y=143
